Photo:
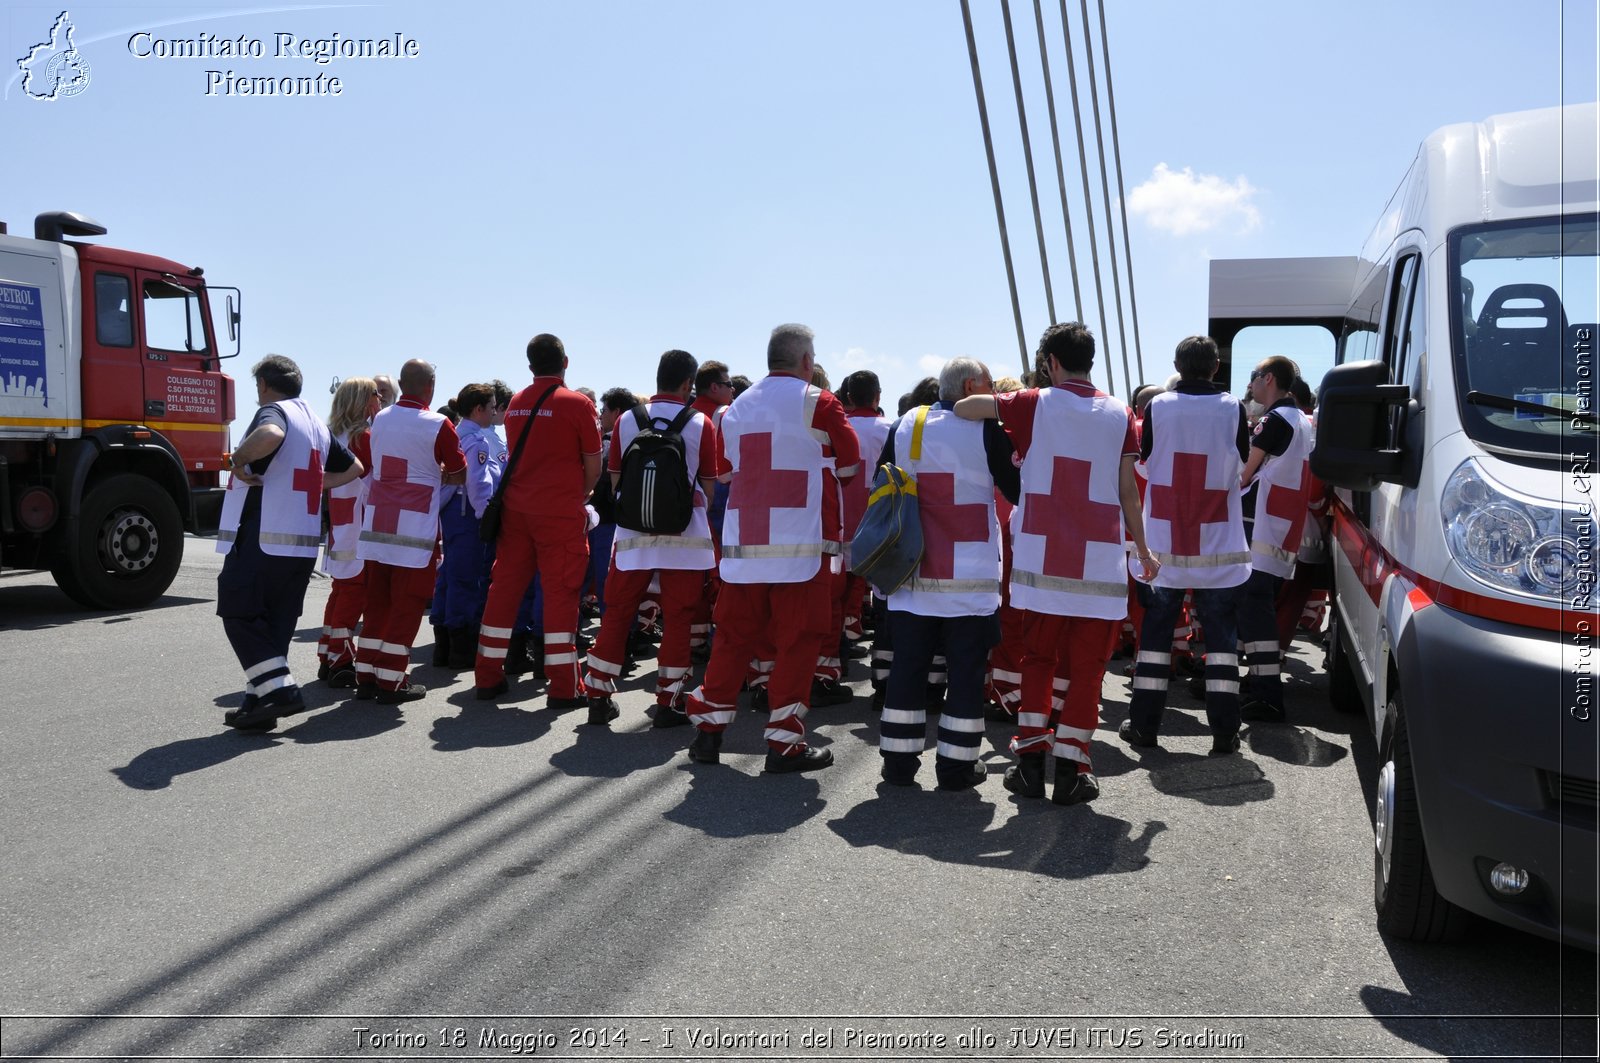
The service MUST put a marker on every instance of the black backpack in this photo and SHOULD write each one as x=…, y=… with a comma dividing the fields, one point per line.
x=654, y=490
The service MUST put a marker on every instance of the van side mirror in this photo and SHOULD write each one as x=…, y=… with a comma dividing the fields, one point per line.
x=1357, y=446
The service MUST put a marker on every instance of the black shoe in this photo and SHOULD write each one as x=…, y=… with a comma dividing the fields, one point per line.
x=343, y=679
x=973, y=776
x=441, y=646
x=249, y=716
x=463, y=649
x=410, y=691
x=366, y=691
x=281, y=703
x=602, y=711
x=808, y=759
x=1261, y=712
x=1082, y=788
x=1224, y=745
x=900, y=769
x=565, y=704
x=519, y=655
x=490, y=693
x=1135, y=737
x=829, y=692
x=323, y=671
x=669, y=716
x=706, y=747
x=1025, y=778
x=855, y=651
x=758, y=699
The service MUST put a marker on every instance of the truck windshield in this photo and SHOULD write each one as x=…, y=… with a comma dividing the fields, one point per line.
x=1523, y=299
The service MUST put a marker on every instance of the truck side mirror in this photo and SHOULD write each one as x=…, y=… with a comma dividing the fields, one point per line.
x=1356, y=447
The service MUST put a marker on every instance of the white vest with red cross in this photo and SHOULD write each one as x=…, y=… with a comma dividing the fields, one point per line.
x=871, y=429
x=772, y=532
x=401, y=522
x=1067, y=552
x=291, y=489
x=1192, y=518
x=1282, y=495
x=960, y=570
x=635, y=551
x=346, y=504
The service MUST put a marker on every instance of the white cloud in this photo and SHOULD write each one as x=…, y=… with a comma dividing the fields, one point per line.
x=1183, y=202
x=930, y=364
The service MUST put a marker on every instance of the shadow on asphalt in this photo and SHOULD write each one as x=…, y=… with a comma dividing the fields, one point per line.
x=1039, y=838
x=36, y=608
x=733, y=800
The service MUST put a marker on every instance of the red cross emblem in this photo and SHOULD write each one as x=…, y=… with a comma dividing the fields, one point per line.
x=944, y=523
x=758, y=489
x=1188, y=504
x=1069, y=519
x=1288, y=504
x=309, y=480
x=392, y=494
x=341, y=510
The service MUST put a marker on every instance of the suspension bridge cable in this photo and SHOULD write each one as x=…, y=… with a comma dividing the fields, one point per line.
x=994, y=180
x=1083, y=169
x=1055, y=143
x=1105, y=195
x=1122, y=196
x=1027, y=158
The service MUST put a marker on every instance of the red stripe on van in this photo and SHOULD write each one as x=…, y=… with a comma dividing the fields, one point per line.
x=1373, y=565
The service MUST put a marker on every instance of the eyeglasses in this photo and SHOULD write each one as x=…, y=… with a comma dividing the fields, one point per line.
x=1257, y=374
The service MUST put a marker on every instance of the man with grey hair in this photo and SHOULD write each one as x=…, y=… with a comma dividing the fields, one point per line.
x=776, y=446
x=952, y=602
x=386, y=391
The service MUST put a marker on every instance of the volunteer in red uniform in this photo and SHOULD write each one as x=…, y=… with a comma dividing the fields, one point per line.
x=681, y=561
x=860, y=392
x=1069, y=566
x=355, y=404
x=776, y=442
x=713, y=390
x=415, y=452
x=544, y=527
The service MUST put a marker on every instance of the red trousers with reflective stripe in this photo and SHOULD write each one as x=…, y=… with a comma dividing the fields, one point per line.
x=558, y=552
x=790, y=616
x=396, y=599
x=347, y=600
x=1063, y=660
x=682, y=591
x=829, y=666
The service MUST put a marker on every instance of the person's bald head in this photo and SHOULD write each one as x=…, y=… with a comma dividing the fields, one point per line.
x=416, y=381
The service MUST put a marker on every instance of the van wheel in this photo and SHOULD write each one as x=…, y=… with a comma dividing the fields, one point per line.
x=1344, y=693
x=129, y=545
x=1408, y=904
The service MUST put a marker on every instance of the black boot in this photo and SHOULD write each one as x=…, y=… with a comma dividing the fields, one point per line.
x=1026, y=777
x=441, y=646
x=517, y=660
x=706, y=747
x=463, y=648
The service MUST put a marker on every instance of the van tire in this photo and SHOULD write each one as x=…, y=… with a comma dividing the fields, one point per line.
x=128, y=547
x=1344, y=691
x=1408, y=904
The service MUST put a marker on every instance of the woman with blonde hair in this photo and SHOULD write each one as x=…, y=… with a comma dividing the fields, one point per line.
x=354, y=405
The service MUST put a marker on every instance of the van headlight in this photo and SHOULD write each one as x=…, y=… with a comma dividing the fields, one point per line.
x=1513, y=542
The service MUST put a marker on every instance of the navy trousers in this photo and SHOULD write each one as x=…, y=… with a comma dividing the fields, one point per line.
x=259, y=598
x=964, y=642
x=1218, y=608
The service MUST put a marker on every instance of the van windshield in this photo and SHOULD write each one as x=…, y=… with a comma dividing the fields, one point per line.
x=1523, y=300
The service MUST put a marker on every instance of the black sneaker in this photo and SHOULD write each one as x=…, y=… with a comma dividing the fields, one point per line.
x=1261, y=712
x=808, y=759
x=1081, y=788
x=669, y=716
x=973, y=776
x=602, y=711
x=1135, y=737
x=1224, y=745
x=706, y=747
x=410, y=691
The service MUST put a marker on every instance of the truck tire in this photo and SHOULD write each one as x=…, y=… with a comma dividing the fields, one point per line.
x=129, y=545
x=1403, y=891
x=1344, y=690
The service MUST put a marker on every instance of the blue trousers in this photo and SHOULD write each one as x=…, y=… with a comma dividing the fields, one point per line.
x=259, y=598
x=1218, y=609
x=462, y=586
x=1258, y=631
x=965, y=642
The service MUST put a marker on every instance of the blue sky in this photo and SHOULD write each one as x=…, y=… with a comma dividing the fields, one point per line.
x=635, y=176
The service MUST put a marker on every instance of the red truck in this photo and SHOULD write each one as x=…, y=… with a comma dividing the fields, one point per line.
x=114, y=410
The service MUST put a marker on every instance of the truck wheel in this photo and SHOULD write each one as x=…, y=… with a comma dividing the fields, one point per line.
x=1408, y=904
x=1344, y=693
x=129, y=545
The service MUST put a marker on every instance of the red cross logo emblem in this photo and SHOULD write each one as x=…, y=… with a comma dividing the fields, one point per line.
x=393, y=494
x=1188, y=504
x=758, y=489
x=1069, y=519
x=309, y=480
x=944, y=523
x=1289, y=504
x=341, y=511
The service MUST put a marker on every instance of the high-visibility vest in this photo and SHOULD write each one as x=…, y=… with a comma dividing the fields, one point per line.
x=1192, y=517
x=401, y=523
x=291, y=489
x=772, y=532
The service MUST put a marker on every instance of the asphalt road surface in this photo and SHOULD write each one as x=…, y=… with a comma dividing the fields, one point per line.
x=452, y=880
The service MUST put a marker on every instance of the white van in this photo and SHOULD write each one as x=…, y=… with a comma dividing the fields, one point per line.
x=1458, y=427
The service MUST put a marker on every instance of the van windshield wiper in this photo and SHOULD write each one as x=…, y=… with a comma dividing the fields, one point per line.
x=1504, y=402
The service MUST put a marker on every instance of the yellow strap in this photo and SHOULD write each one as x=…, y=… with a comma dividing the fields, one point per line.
x=897, y=481
x=916, y=433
